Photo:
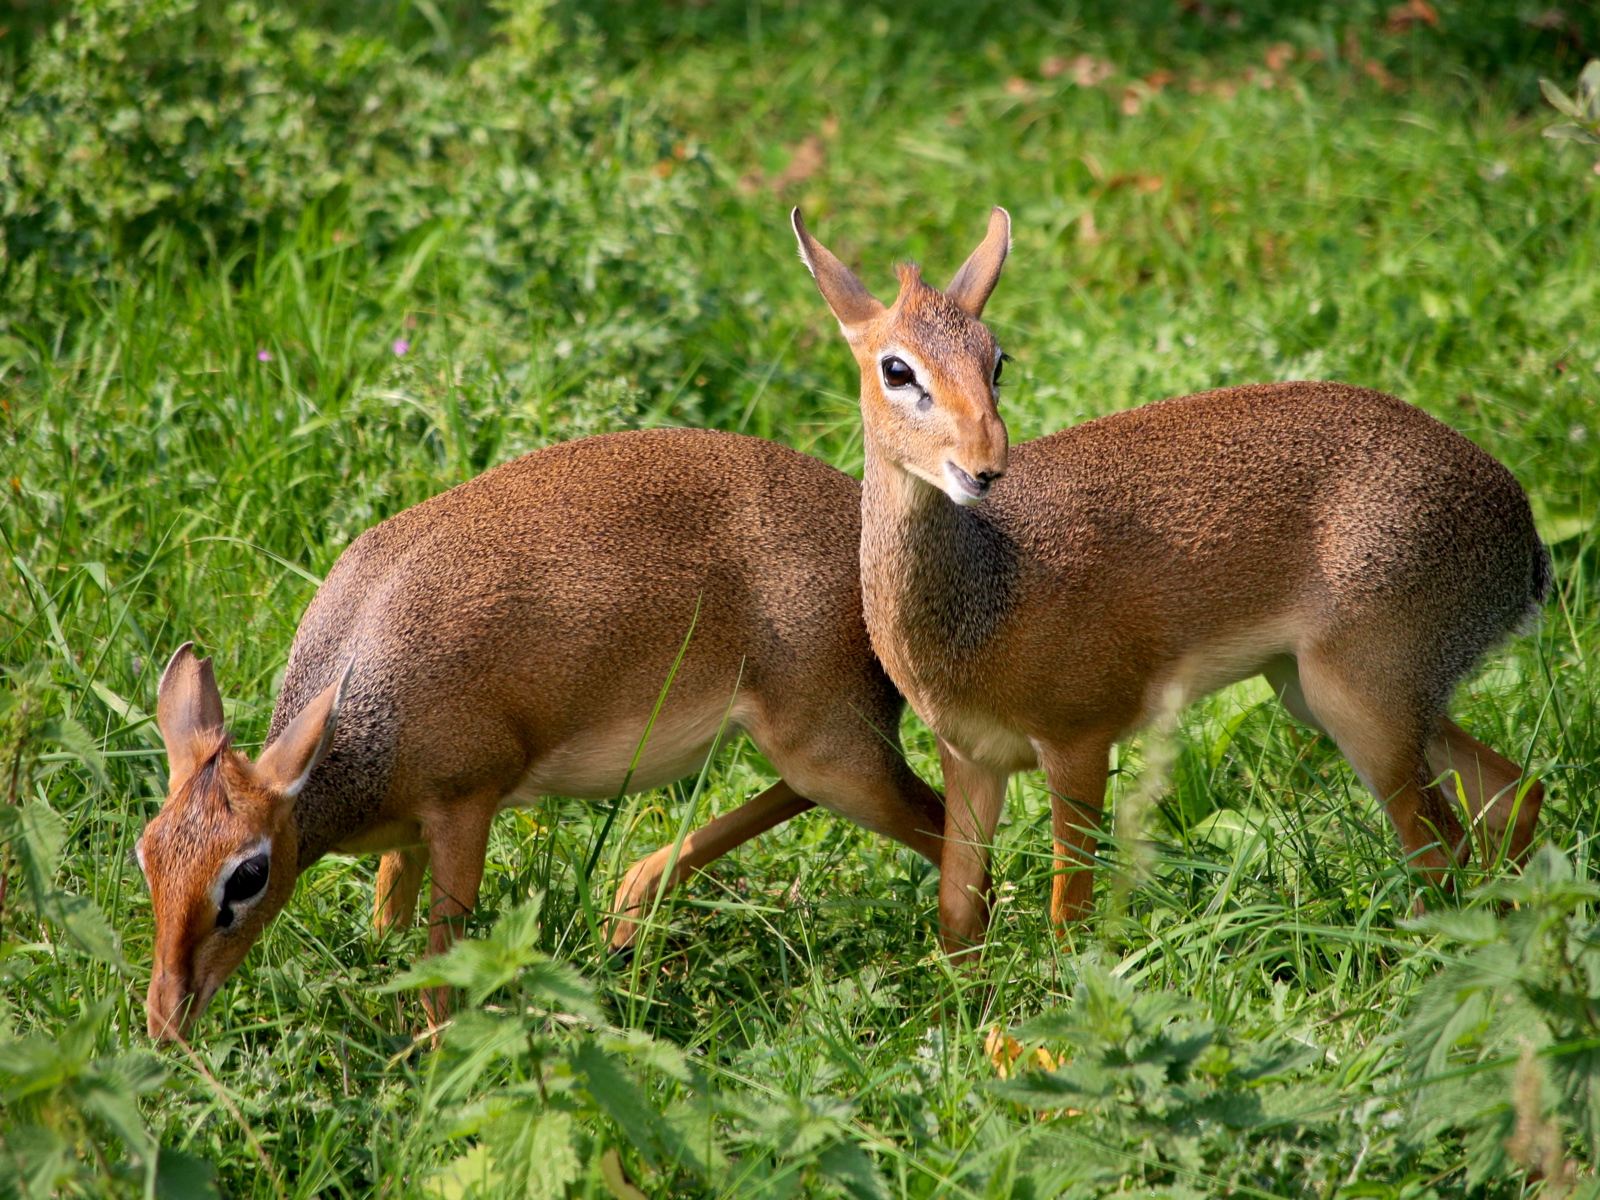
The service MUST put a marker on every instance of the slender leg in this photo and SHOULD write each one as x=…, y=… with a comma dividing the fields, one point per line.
x=974, y=796
x=399, y=882
x=457, y=843
x=1501, y=821
x=1383, y=738
x=1076, y=774
x=643, y=881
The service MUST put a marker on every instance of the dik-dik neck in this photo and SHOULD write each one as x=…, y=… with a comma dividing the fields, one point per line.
x=938, y=579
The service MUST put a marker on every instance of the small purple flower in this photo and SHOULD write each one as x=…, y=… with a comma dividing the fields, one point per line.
x=263, y=355
x=401, y=346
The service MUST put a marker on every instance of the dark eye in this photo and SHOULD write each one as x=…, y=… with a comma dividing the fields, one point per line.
x=896, y=374
x=999, y=365
x=246, y=882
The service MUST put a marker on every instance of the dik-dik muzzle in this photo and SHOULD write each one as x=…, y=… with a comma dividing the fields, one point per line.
x=221, y=855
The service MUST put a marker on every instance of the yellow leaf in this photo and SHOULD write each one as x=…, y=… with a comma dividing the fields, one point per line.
x=617, y=1181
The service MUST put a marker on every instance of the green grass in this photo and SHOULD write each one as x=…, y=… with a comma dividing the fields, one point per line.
x=196, y=423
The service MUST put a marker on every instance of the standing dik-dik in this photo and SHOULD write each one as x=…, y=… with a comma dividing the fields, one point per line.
x=509, y=639
x=1037, y=604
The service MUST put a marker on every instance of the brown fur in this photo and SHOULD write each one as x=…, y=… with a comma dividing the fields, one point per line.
x=509, y=638
x=1354, y=550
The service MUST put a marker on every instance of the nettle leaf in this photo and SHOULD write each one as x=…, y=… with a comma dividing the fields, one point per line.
x=645, y=1051
x=1067, y=1087
x=533, y=1153
x=852, y=1169
x=475, y=1042
x=483, y=966
x=44, y=833
x=469, y=1174
x=112, y=1095
x=184, y=1177
x=38, y=1162
x=1477, y=927
x=86, y=924
x=73, y=737
x=620, y=1095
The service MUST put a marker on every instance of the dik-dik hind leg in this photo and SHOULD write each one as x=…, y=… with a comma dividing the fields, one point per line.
x=1503, y=821
x=1076, y=775
x=400, y=873
x=457, y=843
x=642, y=884
x=1382, y=731
x=973, y=798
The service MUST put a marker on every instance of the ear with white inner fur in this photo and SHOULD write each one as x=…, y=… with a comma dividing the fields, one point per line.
x=846, y=295
x=975, y=280
x=188, y=711
x=287, y=763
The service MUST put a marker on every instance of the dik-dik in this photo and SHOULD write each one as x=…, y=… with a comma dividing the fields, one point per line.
x=509, y=639
x=1036, y=603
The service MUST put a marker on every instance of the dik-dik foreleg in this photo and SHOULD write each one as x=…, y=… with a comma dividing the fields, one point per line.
x=457, y=843
x=1076, y=775
x=400, y=872
x=973, y=798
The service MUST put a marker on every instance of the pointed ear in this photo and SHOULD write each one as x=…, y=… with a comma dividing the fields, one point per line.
x=971, y=287
x=188, y=711
x=846, y=295
x=287, y=763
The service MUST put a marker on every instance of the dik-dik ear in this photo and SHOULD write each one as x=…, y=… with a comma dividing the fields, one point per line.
x=188, y=711
x=975, y=280
x=846, y=295
x=288, y=762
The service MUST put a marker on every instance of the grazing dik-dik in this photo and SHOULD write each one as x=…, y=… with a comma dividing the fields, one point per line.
x=509, y=639
x=1035, y=603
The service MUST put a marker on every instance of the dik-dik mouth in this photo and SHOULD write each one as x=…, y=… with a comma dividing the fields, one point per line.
x=963, y=488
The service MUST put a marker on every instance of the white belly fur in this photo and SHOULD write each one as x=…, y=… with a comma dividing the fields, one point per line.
x=1210, y=667
x=594, y=764
x=985, y=739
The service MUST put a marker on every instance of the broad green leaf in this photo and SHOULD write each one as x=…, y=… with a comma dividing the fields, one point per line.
x=468, y=1175
x=86, y=925
x=620, y=1096
x=1559, y=100
x=1476, y=927
x=44, y=833
x=850, y=1167
x=38, y=1163
x=184, y=1177
x=533, y=1153
x=1575, y=133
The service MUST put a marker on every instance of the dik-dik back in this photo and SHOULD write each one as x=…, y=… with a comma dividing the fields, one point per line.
x=553, y=594
x=510, y=638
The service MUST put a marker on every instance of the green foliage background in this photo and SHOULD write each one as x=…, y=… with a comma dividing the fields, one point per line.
x=269, y=274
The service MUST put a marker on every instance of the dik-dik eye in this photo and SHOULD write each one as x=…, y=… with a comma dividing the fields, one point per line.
x=249, y=880
x=896, y=374
x=999, y=366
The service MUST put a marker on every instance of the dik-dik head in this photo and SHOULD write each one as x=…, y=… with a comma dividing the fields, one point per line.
x=930, y=370
x=221, y=856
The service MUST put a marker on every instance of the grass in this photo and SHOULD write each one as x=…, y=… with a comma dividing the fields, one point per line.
x=192, y=440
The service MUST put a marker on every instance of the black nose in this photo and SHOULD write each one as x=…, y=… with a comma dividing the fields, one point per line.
x=988, y=477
